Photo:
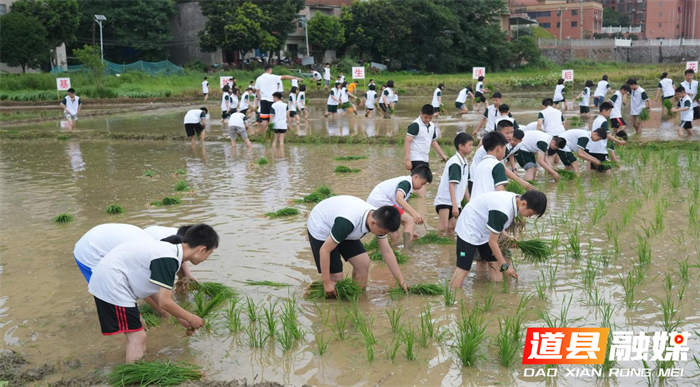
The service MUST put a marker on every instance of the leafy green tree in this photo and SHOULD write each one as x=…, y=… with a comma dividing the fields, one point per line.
x=525, y=51
x=89, y=57
x=612, y=18
x=325, y=33
x=376, y=29
x=22, y=41
x=60, y=18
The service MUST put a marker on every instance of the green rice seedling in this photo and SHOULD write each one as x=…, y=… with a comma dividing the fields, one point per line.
x=562, y=320
x=647, y=229
x=668, y=105
x=349, y=158
x=428, y=322
x=154, y=373
x=345, y=289
x=449, y=294
x=606, y=311
x=355, y=314
x=320, y=333
x=290, y=317
x=180, y=171
x=394, y=346
x=423, y=336
x=643, y=250
x=468, y=336
x=395, y=319
x=286, y=211
x=149, y=316
x=251, y=309
x=213, y=289
x=487, y=299
x=257, y=337
x=671, y=319
x=566, y=175
x=321, y=193
x=417, y=289
x=611, y=228
x=432, y=238
x=181, y=186
x=339, y=326
x=574, y=246
x=344, y=169
x=262, y=161
x=271, y=284
x=552, y=274
x=149, y=173
x=205, y=306
x=63, y=218
x=233, y=316
x=269, y=318
x=114, y=209
x=609, y=164
x=676, y=179
x=684, y=270
x=599, y=210
x=376, y=255
x=372, y=245
x=694, y=217
x=408, y=338
x=629, y=284
x=594, y=296
x=643, y=115
x=668, y=283
x=515, y=187
x=541, y=288
x=589, y=274
x=507, y=343
x=365, y=329
x=657, y=224
x=535, y=249
x=681, y=290
x=285, y=338
x=170, y=201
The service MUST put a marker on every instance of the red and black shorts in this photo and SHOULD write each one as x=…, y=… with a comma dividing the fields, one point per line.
x=617, y=123
x=401, y=211
x=117, y=319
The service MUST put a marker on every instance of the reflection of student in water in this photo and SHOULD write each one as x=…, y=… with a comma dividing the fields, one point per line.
x=76, y=156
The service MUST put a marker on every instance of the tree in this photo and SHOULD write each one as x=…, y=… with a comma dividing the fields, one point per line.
x=60, y=18
x=89, y=57
x=612, y=18
x=525, y=51
x=135, y=29
x=325, y=33
x=22, y=41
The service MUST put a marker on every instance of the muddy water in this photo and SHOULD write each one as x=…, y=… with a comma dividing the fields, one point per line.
x=47, y=314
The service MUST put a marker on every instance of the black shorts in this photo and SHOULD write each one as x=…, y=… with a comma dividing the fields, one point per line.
x=436, y=109
x=332, y=108
x=478, y=97
x=415, y=164
x=225, y=115
x=347, y=249
x=466, y=252
x=459, y=105
x=318, y=83
x=280, y=131
x=265, y=108
x=292, y=113
x=191, y=129
x=696, y=113
x=669, y=97
x=584, y=109
x=617, y=123
x=258, y=118
x=551, y=152
x=567, y=158
x=117, y=319
x=382, y=106
x=245, y=111
x=560, y=101
x=470, y=184
x=599, y=157
x=525, y=158
x=686, y=124
x=449, y=209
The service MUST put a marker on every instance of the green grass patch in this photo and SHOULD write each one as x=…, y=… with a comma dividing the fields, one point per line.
x=271, y=284
x=323, y=192
x=155, y=373
x=349, y=158
x=515, y=187
x=344, y=169
x=345, y=289
x=167, y=201
x=181, y=186
x=114, y=209
x=63, y=218
x=180, y=171
x=376, y=255
x=535, y=249
x=432, y=238
x=286, y=211
x=262, y=161
x=565, y=174
x=149, y=173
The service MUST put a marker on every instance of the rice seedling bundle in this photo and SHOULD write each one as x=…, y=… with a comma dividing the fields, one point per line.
x=271, y=284
x=156, y=373
x=609, y=164
x=149, y=173
x=149, y=316
x=643, y=115
x=321, y=193
x=565, y=174
x=372, y=245
x=63, y=218
x=349, y=158
x=214, y=289
x=345, y=289
x=344, y=169
x=376, y=255
x=167, y=201
x=432, y=238
x=515, y=187
x=114, y=209
x=668, y=105
x=419, y=289
x=181, y=186
x=262, y=161
x=535, y=249
x=204, y=307
x=286, y=211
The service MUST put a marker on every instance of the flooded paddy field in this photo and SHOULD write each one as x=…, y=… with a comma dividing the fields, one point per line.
x=626, y=253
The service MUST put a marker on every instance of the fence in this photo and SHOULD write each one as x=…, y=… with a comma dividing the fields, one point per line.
x=153, y=68
x=624, y=30
x=610, y=43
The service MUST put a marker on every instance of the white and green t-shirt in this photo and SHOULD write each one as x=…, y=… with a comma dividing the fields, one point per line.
x=301, y=100
x=462, y=96
x=135, y=270
x=387, y=96
x=585, y=97
x=205, y=87
x=225, y=102
x=292, y=102
x=487, y=175
x=245, y=98
x=666, y=86
x=509, y=117
x=486, y=214
x=72, y=104
x=456, y=171
x=423, y=137
x=160, y=232
x=327, y=73
x=476, y=159
x=553, y=121
x=437, y=95
x=490, y=113
x=344, y=95
x=602, y=89
x=237, y=119
x=370, y=98
x=384, y=193
x=616, y=101
x=535, y=141
x=691, y=88
x=334, y=97
x=576, y=138
x=686, y=115
x=559, y=91
x=194, y=116
x=279, y=109
x=479, y=87
x=268, y=84
x=100, y=240
x=638, y=100
x=341, y=218
x=599, y=147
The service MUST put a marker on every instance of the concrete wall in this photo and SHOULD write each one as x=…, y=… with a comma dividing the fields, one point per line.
x=635, y=54
x=186, y=22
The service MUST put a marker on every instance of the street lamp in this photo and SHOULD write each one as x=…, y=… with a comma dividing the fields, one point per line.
x=99, y=19
x=303, y=20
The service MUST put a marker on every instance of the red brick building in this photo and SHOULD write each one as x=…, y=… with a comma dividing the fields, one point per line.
x=661, y=19
x=563, y=19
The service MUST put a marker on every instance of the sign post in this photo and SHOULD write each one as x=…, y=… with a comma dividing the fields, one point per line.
x=359, y=73
x=692, y=65
x=476, y=73
x=568, y=76
x=62, y=84
x=223, y=81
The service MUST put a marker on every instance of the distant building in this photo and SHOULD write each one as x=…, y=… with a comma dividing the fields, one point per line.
x=656, y=19
x=572, y=19
x=296, y=42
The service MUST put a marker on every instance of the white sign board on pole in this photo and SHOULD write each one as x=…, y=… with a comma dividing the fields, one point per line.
x=692, y=66
x=567, y=75
x=307, y=61
x=223, y=81
x=358, y=73
x=478, y=72
x=63, y=84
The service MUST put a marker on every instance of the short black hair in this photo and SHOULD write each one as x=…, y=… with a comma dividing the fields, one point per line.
x=560, y=142
x=606, y=106
x=328, y=64
x=536, y=201
x=605, y=77
x=226, y=89
x=173, y=239
x=547, y=102
x=560, y=81
x=387, y=217
x=503, y=124
x=503, y=108
x=268, y=66
x=71, y=90
x=427, y=109
x=205, y=110
x=631, y=81
x=492, y=140
x=481, y=78
x=183, y=229
x=622, y=134
x=496, y=95
x=664, y=75
x=373, y=87
x=626, y=88
x=589, y=83
x=389, y=83
x=518, y=134
x=201, y=235
x=277, y=95
x=293, y=89
x=601, y=132
x=205, y=78
x=680, y=89
x=344, y=84
x=302, y=87
x=689, y=71
x=441, y=86
x=424, y=172
x=462, y=138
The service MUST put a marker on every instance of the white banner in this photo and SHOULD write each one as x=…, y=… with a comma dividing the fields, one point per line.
x=63, y=84
x=478, y=72
x=567, y=75
x=358, y=73
x=692, y=66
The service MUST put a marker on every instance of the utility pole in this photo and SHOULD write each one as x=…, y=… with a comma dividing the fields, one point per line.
x=561, y=25
x=580, y=14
